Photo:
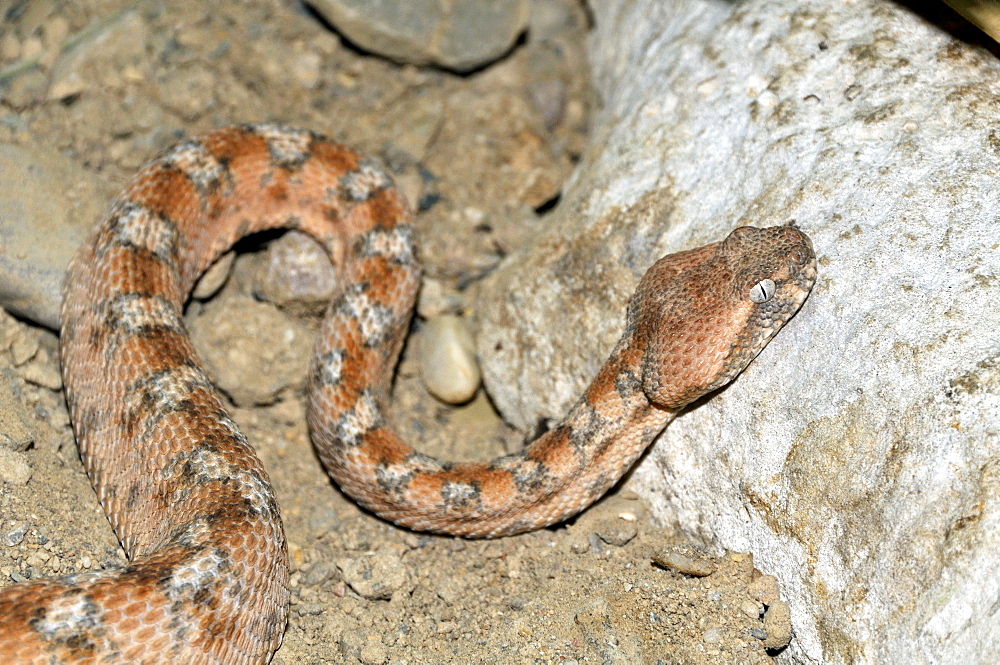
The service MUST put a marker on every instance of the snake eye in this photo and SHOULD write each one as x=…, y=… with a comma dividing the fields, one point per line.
x=762, y=291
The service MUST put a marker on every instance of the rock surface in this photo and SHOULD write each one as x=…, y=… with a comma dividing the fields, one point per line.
x=455, y=34
x=46, y=207
x=857, y=457
x=250, y=350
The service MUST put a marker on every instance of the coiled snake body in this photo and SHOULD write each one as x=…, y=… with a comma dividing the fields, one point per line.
x=207, y=580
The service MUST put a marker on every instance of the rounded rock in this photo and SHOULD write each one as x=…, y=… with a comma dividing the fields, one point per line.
x=448, y=362
x=460, y=35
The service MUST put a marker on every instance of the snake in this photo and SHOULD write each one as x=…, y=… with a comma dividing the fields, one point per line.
x=207, y=578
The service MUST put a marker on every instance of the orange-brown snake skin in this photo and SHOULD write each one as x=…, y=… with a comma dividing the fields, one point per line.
x=207, y=579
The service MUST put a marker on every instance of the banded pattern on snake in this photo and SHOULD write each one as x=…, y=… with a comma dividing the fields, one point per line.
x=207, y=579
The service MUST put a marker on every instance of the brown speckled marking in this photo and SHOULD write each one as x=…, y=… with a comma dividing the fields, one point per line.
x=207, y=579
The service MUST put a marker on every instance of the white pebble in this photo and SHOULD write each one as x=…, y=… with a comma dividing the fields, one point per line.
x=448, y=363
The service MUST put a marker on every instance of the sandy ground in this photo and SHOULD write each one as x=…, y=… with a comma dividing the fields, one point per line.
x=482, y=157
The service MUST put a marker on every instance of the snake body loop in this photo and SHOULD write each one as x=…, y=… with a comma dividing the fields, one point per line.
x=207, y=579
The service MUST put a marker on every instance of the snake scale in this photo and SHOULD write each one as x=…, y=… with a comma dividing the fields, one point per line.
x=207, y=578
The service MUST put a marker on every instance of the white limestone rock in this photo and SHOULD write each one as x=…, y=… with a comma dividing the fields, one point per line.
x=857, y=458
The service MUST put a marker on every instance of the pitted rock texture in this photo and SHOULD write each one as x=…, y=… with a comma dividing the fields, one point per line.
x=858, y=463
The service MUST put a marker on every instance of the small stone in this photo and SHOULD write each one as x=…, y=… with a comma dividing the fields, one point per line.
x=25, y=90
x=752, y=608
x=319, y=572
x=14, y=468
x=44, y=375
x=615, y=531
x=684, y=564
x=190, y=94
x=296, y=275
x=448, y=363
x=32, y=47
x=445, y=627
x=778, y=625
x=38, y=558
x=459, y=35
x=306, y=69
x=214, y=277
x=15, y=534
x=377, y=576
x=436, y=299
x=250, y=349
x=23, y=348
x=67, y=86
x=450, y=589
x=765, y=589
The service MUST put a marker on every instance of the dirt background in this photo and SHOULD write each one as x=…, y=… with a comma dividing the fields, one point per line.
x=482, y=157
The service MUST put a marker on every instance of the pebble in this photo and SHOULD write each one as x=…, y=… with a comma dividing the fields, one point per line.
x=448, y=362
x=15, y=534
x=450, y=589
x=38, y=558
x=55, y=31
x=460, y=35
x=213, y=278
x=14, y=468
x=752, y=608
x=23, y=348
x=319, y=572
x=615, y=531
x=684, y=564
x=25, y=90
x=251, y=350
x=436, y=298
x=190, y=94
x=778, y=625
x=296, y=275
x=376, y=576
x=306, y=69
x=765, y=589
x=42, y=374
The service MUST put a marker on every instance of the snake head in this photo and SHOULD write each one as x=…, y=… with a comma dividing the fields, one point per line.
x=699, y=317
